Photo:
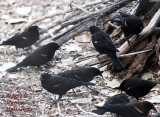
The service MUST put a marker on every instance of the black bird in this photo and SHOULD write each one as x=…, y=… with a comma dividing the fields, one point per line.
x=130, y=24
x=137, y=109
x=158, y=115
x=25, y=39
x=116, y=99
x=39, y=57
x=144, y=6
x=84, y=74
x=104, y=45
x=137, y=87
x=59, y=85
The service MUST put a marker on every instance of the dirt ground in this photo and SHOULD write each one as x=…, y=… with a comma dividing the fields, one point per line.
x=24, y=86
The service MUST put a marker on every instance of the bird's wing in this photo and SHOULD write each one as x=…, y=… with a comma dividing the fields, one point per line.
x=103, y=41
x=13, y=40
x=141, y=84
x=63, y=82
x=36, y=56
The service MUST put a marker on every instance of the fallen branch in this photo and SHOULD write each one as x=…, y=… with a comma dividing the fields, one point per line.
x=139, y=62
x=103, y=58
x=157, y=48
x=134, y=53
x=112, y=25
x=82, y=26
x=93, y=14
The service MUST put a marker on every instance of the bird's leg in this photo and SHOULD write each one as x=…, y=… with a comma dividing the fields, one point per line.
x=94, y=91
x=17, y=51
x=39, y=69
x=26, y=50
x=59, y=98
x=131, y=45
x=74, y=92
x=99, y=58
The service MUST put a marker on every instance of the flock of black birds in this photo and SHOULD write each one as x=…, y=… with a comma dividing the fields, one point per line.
x=64, y=81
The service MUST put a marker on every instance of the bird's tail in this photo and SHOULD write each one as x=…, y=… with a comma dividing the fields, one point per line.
x=93, y=90
x=117, y=20
x=158, y=82
x=85, y=84
x=118, y=64
x=104, y=108
x=1, y=44
x=88, y=83
x=81, y=82
x=99, y=111
x=138, y=11
x=12, y=69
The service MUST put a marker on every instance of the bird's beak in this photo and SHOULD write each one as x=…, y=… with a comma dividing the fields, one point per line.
x=155, y=109
x=119, y=89
x=39, y=28
x=40, y=78
x=101, y=73
x=59, y=48
x=120, y=12
x=87, y=29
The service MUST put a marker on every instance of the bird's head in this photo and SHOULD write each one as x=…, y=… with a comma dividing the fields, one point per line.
x=45, y=76
x=54, y=45
x=94, y=29
x=96, y=71
x=33, y=29
x=147, y=106
x=122, y=85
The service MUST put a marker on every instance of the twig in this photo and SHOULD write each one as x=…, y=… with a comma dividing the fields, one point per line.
x=95, y=3
x=84, y=110
x=59, y=110
x=48, y=16
x=112, y=25
x=92, y=61
x=86, y=56
x=134, y=53
x=103, y=58
x=45, y=17
x=54, y=24
x=80, y=8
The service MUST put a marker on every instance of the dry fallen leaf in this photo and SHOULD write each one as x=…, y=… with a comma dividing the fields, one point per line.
x=72, y=48
x=23, y=10
x=84, y=37
x=113, y=84
x=147, y=75
x=67, y=61
x=154, y=99
x=5, y=66
x=104, y=91
x=82, y=100
x=16, y=21
x=12, y=76
x=106, y=74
